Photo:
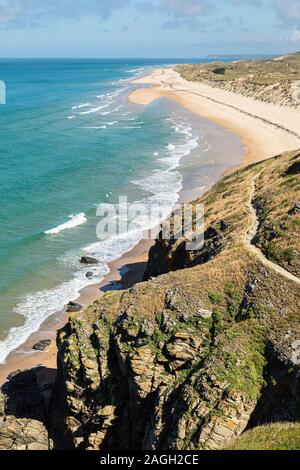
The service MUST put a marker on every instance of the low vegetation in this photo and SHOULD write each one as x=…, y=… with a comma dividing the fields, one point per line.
x=274, y=80
x=278, y=436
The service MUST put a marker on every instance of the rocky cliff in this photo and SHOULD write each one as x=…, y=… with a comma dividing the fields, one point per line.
x=207, y=347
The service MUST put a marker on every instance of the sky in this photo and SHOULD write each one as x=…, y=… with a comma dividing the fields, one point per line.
x=147, y=28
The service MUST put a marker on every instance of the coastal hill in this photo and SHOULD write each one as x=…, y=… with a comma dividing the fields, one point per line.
x=270, y=80
x=207, y=347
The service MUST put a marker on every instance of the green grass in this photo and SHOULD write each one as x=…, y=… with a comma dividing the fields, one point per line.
x=215, y=298
x=278, y=255
x=241, y=353
x=279, y=436
x=260, y=72
x=250, y=78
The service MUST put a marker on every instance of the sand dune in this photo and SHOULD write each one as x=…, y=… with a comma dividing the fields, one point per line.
x=266, y=129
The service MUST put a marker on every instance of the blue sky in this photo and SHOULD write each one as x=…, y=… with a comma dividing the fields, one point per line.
x=147, y=28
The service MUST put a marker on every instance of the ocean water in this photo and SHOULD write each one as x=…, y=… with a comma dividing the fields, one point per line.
x=69, y=141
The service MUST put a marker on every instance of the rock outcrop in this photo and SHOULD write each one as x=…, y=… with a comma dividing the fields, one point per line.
x=190, y=358
x=23, y=434
x=24, y=410
x=206, y=348
x=155, y=382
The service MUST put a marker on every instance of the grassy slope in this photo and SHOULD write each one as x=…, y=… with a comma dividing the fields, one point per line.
x=252, y=308
x=273, y=80
x=278, y=192
x=279, y=436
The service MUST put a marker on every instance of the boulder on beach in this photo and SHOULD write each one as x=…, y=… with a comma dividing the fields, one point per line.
x=74, y=307
x=89, y=275
x=42, y=345
x=88, y=260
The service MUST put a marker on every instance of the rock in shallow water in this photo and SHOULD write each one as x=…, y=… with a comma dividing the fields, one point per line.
x=88, y=260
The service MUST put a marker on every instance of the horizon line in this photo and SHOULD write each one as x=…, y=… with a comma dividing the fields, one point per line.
x=144, y=58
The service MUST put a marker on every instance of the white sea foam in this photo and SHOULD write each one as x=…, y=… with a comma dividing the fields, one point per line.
x=105, y=113
x=139, y=71
x=36, y=308
x=95, y=110
x=116, y=93
x=163, y=185
x=74, y=221
x=122, y=80
x=85, y=105
x=125, y=114
x=111, y=123
x=96, y=127
x=71, y=117
x=161, y=182
x=103, y=126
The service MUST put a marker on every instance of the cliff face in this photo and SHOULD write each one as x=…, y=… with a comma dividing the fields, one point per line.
x=24, y=410
x=207, y=346
x=151, y=381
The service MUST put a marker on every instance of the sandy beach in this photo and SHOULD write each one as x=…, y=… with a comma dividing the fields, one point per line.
x=265, y=130
x=124, y=273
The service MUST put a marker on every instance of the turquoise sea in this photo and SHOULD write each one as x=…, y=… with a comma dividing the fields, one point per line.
x=69, y=141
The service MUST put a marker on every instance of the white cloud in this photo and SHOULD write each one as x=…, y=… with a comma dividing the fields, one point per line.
x=295, y=35
x=30, y=12
x=289, y=10
x=186, y=8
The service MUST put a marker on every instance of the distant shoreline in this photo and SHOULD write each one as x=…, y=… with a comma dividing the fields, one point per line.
x=265, y=129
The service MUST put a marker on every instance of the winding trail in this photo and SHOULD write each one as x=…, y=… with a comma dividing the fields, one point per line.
x=253, y=231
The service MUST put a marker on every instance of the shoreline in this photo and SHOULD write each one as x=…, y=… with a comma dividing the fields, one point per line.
x=265, y=129
x=129, y=269
x=124, y=273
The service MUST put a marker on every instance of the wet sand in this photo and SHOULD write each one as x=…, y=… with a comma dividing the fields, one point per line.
x=265, y=129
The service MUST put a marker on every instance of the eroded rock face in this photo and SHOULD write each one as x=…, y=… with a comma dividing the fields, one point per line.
x=24, y=408
x=145, y=383
x=186, y=360
x=180, y=361
x=172, y=255
x=23, y=434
